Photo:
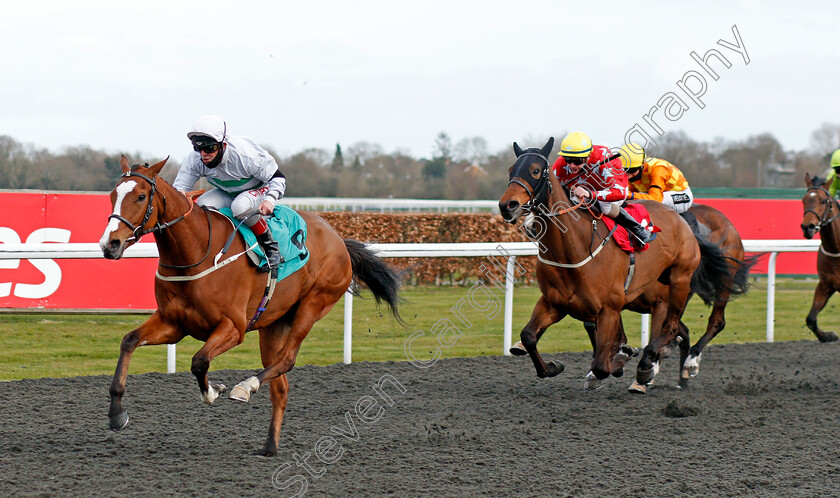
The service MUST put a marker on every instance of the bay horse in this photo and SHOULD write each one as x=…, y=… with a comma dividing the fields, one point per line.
x=582, y=277
x=213, y=301
x=821, y=213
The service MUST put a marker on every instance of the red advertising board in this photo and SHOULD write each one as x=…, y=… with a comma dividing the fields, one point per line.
x=128, y=283
x=67, y=283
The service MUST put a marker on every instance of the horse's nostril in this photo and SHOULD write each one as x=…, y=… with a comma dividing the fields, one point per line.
x=513, y=205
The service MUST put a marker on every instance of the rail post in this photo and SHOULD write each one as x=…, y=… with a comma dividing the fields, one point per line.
x=771, y=294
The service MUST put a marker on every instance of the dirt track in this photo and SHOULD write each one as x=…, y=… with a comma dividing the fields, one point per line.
x=762, y=419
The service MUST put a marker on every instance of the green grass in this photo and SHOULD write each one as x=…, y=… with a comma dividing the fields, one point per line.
x=34, y=345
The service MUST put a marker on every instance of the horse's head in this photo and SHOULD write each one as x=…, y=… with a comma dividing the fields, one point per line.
x=136, y=208
x=529, y=181
x=818, y=206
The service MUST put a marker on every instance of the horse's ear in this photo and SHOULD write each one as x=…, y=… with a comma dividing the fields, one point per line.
x=155, y=168
x=516, y=149
x=124, y=164
x=546, y=150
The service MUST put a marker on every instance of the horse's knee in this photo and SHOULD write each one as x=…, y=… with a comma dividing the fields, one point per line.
x=129, y=342
x=200, y=365
x=811, y=321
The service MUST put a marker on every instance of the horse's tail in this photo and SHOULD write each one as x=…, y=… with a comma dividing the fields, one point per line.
x=712, y=276
x=741, y=282
x=382, y=280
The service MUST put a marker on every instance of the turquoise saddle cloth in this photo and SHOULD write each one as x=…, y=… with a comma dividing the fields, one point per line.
x=289, y=231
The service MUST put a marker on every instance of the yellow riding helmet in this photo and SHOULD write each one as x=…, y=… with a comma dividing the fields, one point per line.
x=576, y=144
x=835, y=159
x=632, y=155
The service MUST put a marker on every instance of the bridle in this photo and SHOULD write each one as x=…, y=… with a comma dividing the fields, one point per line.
x=538, y=190
x=138, y=231
x=829, y=207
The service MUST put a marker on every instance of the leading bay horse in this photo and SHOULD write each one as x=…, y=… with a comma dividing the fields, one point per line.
x=213, y=301
x=821, y=213
x=581, y=273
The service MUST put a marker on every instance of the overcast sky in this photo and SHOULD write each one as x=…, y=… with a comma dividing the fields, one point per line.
x=133, y=76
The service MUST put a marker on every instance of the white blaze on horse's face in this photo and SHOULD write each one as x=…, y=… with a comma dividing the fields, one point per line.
x=122, y=190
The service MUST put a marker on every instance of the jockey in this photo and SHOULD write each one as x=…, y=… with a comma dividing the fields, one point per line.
x=655, y=179
x=246, y=178
x=590, y=182
x=834, y=175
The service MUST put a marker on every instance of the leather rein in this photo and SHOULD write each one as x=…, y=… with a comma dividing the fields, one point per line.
x=824, y=219
x=138, y=231
x=542, y=188
x=829, y=207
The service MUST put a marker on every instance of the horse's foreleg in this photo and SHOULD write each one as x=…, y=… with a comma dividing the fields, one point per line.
x=543, y=316
x=821, y=295
x=152, y=332
x=225, y=336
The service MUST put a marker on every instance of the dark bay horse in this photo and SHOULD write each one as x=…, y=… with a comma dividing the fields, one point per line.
x=822, y=214
x=214, y=302
x=582, y=274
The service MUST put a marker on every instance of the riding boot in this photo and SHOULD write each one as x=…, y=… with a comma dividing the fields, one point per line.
x=271, y=250
x=624, y=219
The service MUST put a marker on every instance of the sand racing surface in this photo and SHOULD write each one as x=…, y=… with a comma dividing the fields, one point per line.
x=759, y=419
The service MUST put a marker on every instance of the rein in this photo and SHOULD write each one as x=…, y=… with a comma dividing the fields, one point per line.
x=824, y=218
x=138, y=231
x=829, y=205
x=543, y=187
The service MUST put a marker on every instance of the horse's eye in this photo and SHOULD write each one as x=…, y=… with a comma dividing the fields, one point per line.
x=535, y=172
x=141, y=197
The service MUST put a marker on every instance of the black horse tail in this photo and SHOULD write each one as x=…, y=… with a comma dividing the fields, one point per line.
x=740, y=282
x=382, y=280
x=712, y=276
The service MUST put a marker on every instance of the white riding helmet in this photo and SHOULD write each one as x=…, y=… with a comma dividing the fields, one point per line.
x=211, y=126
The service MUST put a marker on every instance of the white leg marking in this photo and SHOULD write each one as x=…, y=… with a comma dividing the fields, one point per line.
x=692, y=364
x=213, y=392
x=590, y=382
x=122, y=190
x=244, y=390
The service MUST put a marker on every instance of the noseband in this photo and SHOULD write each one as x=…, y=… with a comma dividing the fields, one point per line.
x=138, y=230
x=829, y=206
x=537, y=190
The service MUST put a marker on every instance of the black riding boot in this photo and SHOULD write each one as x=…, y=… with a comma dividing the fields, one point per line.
x=271, y=250
x=624, y=219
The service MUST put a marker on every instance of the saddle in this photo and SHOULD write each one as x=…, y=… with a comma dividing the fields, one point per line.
x=625, y=240
x=289, y=230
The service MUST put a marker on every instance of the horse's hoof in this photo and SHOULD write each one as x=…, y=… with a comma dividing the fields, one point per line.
x=827, y=337
x=213, y=392
x=239, y=393
x=637, y=388
x=683, y=382
x=118, y=421
x=644, y=376
x=692, y=366
x=518, y=349
x=629, y=350
x=591, y=383
x=553, y=368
